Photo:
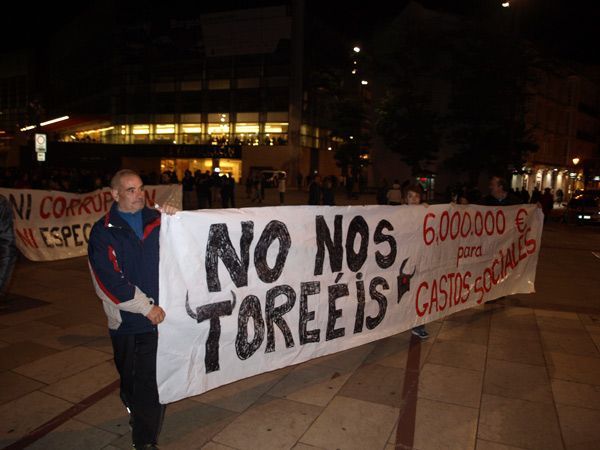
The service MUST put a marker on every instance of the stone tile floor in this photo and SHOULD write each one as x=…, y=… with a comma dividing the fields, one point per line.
x=493, y=377
x=515, y=374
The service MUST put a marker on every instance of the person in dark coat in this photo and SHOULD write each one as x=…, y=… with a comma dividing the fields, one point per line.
x=547, y=202
x=536, y=195
x=315, y=191
x=499, y=194
x=123, y=256
x=8, y=250
x=328, y=192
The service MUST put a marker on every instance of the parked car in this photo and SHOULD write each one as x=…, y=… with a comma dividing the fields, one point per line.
x=584, y=207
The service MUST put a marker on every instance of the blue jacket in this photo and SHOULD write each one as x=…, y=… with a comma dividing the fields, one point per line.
x=125, y=270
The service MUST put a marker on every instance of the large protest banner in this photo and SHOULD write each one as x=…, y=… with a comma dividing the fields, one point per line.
x=53, y=225
x=252, y=290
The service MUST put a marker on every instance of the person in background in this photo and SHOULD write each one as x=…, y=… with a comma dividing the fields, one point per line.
x=258, y=189
x=328, y=192
x=547, y=202
x=525, y=195
x=394, y=195
x=559, y=196
x=382, y=191
x=8, y=250
x=536, y=195
x=189, y=191
x=412, y=197
x=281, y=189
x=499, y=194
x=123, y=256
x=314, y=191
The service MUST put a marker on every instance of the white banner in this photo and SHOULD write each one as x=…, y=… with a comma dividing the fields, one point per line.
x=252, y=290
x=53, y=225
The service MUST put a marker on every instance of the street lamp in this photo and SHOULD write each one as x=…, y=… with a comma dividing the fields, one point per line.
x=505, y=4
x=574, y=175
x=356, y=49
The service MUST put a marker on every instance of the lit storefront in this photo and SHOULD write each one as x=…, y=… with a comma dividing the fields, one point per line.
x=229, y=166
x=542, y=177
x=217, y=131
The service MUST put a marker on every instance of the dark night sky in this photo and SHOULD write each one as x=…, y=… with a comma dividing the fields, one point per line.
x=569, y=27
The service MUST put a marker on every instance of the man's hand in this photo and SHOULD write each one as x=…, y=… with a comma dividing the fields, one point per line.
x=167, y=209
x=156, y=315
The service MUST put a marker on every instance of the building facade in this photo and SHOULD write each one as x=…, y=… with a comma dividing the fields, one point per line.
x=564, y=114
x=222, y=89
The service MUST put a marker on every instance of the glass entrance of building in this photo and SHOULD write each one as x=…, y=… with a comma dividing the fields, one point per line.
x=231, y=167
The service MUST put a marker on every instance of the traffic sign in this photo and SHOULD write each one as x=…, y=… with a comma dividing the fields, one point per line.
x=40, y=143
x=41, y=156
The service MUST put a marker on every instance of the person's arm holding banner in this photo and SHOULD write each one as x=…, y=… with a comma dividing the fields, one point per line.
x=166, y=208
x=112, y=286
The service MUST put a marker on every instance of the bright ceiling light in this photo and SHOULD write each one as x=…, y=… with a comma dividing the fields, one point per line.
x=58, y=119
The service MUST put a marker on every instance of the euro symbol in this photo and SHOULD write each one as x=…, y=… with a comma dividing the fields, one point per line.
x=520, y=220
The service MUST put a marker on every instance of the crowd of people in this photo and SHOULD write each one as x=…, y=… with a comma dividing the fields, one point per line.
x=206, y=190
x=56, y=179
x=462, y=194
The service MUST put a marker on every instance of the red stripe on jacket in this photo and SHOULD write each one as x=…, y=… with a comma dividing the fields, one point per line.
x=112, y=257
x=151, y=226
x=114, y=299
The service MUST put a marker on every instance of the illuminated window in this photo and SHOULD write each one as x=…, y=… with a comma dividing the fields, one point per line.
x=191, y=133
x=276, y=133
x=246, y=128
x=140, y=129
x=273, y=127
x=246, y=133
x=218, y=128
x=165, y=129
x=191, y=128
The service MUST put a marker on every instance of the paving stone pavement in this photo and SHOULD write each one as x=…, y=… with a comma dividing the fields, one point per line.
x=507, y=375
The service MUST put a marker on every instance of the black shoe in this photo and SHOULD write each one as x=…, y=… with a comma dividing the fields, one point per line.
x=420, y=332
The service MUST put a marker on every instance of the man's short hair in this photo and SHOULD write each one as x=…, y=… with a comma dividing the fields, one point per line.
x=416, y=188
x=115, y=181
x=502, y=182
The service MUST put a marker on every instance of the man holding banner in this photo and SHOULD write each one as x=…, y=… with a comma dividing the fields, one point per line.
x=123, y=254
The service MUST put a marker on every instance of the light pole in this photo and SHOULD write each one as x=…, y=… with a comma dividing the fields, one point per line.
x=575, y=174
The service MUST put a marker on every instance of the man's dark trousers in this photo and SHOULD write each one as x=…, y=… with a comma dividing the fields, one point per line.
x=135, y=358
